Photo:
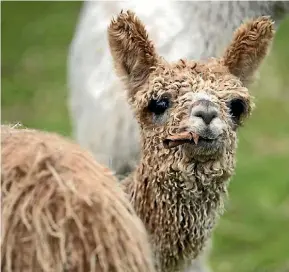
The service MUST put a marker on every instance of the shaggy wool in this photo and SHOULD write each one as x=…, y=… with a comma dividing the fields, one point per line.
x=62, y=211
x=181, y=182
x=191, y=29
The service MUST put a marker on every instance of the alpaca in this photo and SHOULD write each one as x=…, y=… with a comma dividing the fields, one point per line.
x=95, y=92
x=61, y=211
x=188, y=114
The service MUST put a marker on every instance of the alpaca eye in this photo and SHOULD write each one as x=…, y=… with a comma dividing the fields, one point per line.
x=158, y=106
x=237, y=108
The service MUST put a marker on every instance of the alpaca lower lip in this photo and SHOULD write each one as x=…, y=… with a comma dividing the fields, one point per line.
x=204, y=142
x=207, y=140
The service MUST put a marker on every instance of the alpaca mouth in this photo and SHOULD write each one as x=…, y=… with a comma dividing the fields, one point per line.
x=186, y=137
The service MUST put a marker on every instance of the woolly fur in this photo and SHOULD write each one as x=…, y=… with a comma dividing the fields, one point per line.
x=61, y=211
x=191, y=29
x=179, y=193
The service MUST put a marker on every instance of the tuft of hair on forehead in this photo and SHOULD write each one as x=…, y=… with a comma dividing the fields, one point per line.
x=250, y=45
x=133, y=53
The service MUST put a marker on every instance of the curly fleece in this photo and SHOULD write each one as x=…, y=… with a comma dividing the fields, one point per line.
x=179, y=193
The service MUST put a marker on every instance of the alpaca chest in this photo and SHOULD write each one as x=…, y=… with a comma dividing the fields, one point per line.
x=178, y=229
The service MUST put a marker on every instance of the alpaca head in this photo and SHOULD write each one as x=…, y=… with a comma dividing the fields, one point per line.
x=188, y=109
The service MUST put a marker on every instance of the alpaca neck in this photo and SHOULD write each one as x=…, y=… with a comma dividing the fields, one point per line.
x=179, y=207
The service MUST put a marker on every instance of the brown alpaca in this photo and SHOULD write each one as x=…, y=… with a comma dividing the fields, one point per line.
x=61, y=211
x=188, y=113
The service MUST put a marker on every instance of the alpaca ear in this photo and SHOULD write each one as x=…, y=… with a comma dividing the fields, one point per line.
x=250, y=45
x=133, y=53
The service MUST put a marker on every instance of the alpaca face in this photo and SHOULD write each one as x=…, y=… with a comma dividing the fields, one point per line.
x=195, y=107
x=192, y=107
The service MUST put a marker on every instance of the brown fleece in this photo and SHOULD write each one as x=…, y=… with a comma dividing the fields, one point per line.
x=61, y=211
x=179, y=192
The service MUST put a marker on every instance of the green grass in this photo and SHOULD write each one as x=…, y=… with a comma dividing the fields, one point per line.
x=253, y=235
x=35, y=39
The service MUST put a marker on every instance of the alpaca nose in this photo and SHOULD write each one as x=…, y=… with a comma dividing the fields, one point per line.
x=206, y=111
x=206, y=115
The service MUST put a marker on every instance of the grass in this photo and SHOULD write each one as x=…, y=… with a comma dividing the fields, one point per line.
x=35, y=39
x=253, y=234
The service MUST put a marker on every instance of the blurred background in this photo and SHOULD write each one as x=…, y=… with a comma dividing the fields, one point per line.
x=253, y=235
